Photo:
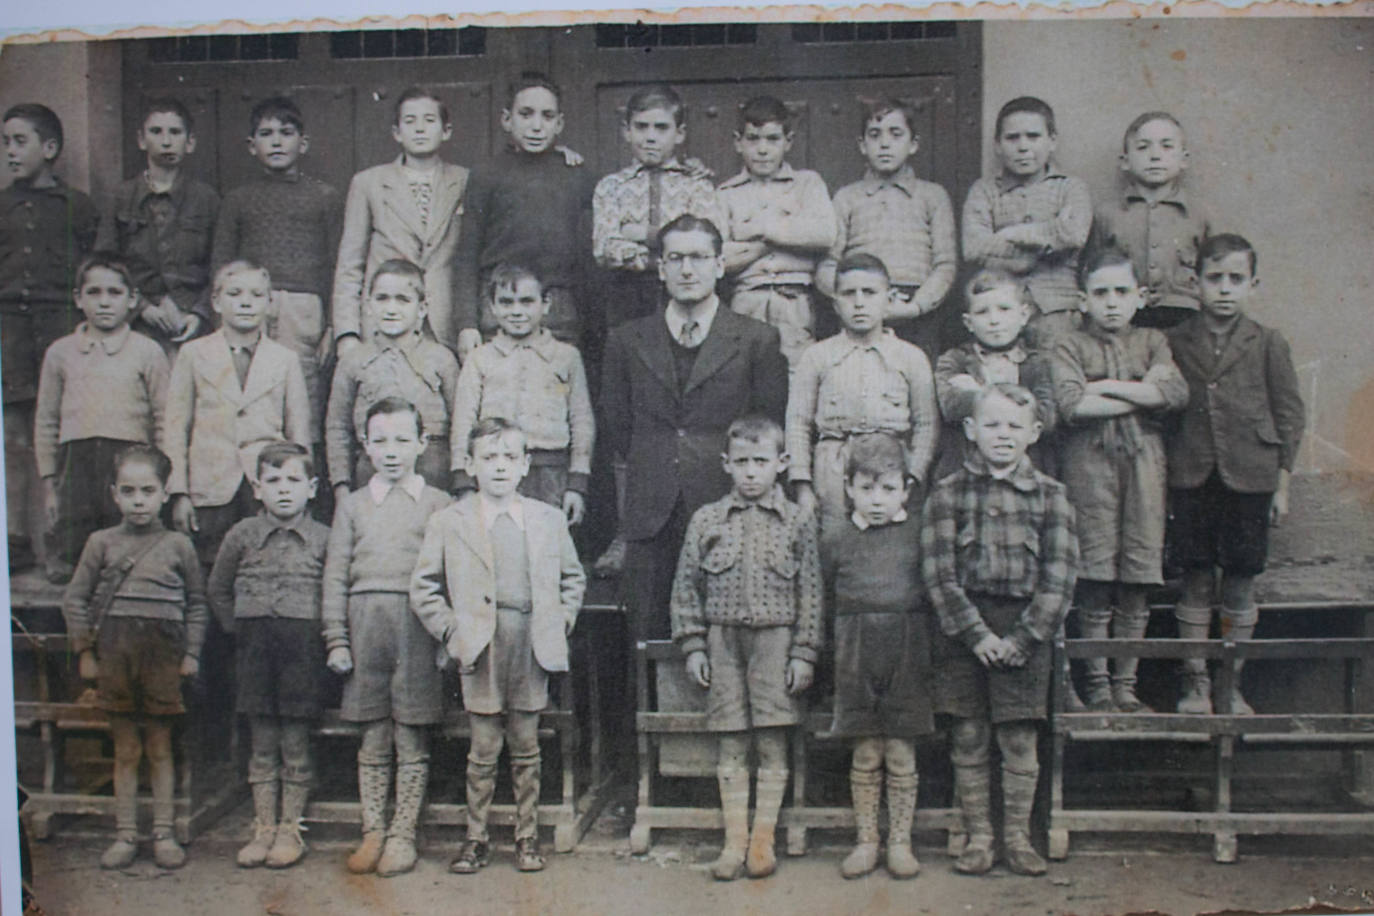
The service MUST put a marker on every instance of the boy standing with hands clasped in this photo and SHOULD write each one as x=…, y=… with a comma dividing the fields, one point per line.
x=998, y=551
x=499, y=585
x=903, y=221
x=1230, y=455
x=265, y=586
x=746, y=613
x=392, y=686
x=136, y=613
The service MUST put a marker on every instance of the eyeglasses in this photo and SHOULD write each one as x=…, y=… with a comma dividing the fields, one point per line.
x=695, y=259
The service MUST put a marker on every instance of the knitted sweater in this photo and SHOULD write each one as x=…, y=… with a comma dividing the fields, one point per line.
x=876, y=570
x=289, y=225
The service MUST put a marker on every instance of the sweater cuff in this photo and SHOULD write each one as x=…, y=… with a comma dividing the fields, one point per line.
x=335, y=640
x=578, y=481
x=975, y=634
x=1024, y=640
x=689, y=644
x=82, y=641
x=803, y=653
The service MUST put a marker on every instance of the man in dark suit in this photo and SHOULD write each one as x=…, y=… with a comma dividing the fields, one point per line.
x=671, y=384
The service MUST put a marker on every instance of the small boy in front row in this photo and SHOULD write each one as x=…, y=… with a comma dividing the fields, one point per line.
x=1113, y=385
x=746, y=613
x=872, y=568
x=136, y=613
x=536, y=381
x=265, y=587
x=498, y=583
x=392, y=687
x=1230, y=455
x=999, y=552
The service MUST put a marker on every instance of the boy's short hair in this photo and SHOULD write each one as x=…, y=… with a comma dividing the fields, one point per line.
x=140, y=451
x=393, y=405
x=1025, y=104
x=1222, y=244
x=45, y=121
x=507, y=275
x=277, y=107
x=109, y=260
x=532, y=79
x=765, y=109
x=1134, y=127
x=874, y=454
x=168, y=105
x=756, y=428
x=1017, y=394
x=240, y=266
x=420, y=92
x=861, y=260
x=688, y=222
x=990, y=278
x=1102, y=256
x=398, y=267
x=651, y=97
x=877, y=109
x=494, y=426
x=276, y=454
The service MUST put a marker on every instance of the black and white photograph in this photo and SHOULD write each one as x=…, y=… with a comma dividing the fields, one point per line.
x=762, y=460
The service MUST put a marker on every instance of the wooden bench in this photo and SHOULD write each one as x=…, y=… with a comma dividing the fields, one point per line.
x=1225, y=732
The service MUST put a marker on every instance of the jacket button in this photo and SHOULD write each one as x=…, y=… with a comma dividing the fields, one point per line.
x=486, y=599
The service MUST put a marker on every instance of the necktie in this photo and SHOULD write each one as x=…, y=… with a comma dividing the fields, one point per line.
x=243, y=358
x=690, y=331
x=655, y=201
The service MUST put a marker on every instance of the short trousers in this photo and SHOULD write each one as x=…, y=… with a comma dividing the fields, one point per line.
x=883, y=680
x=749, y=678
x=1213, y=525
x=395, y=675
x=280, y=667
x=506, y=675
x=140, y=666
x=966, y=689
x=1119, y=501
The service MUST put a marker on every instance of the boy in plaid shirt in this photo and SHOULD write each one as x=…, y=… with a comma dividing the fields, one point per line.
x=999, y=604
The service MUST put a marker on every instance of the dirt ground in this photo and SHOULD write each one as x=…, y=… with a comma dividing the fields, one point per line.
x=603, y=878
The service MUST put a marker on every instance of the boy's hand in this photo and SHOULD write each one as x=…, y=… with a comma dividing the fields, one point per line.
x=50, y=501
x=800, y=673
x=340, y=660
x=164, y=317
x=340, y=491
x=570, y=156
x=574, y=506
x=806, y=497
x=1278, y=508
x=469, y=339
x=635, y=232
x=190, y=666
x=184, y=515
x=1014, y=657
x=699, y=668
x=87, y=666
x=989, y=650
x=190, y=325
x=964, y=382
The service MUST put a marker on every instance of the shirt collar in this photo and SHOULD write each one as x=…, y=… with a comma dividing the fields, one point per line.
x=904, y=178
x=1022, y=477
x=1015, y=353
x=490, y=513
x=378, y=488
x=672, y=165
x=705, y=316
x=785, y=172
x=278, y=175
x=773, y=500
x=1006, y=182
x=145, y=188
x=886, y=341
x=1175, y=195
x=864, y=524
x=112, y=344
x=539, y=342
x=271, y=525
x=405, y=345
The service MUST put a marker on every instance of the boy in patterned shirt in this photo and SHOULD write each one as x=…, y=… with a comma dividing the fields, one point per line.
x=746, y=611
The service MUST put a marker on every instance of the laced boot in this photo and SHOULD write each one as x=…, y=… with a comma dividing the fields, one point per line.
x=374, y=784
x=734, y=806
x=901, y=811
x=264, y=825
x=1018, y=797
x=761, y=859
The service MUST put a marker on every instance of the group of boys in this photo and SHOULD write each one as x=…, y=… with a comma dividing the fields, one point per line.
x=460, y=307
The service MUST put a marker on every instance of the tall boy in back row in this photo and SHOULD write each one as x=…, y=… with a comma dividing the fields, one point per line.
x=1230, y=455
x=46, y=228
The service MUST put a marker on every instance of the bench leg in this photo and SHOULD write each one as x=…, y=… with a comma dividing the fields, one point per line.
x=40, y=824
x=639, y=838
x=796, y=841
x=564, y=837
x=1059, y=843
x=1224, y=841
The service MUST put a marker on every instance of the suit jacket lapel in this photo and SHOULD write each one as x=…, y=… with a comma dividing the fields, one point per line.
x=656, y=352
x=398, y=198
x=261, y=371
x=717, y=349
x=471, y=533
x=448, y=191
x=218, y=369
x=1242, y=339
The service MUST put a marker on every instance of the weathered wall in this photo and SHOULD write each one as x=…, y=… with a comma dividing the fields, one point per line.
x=1280, y=119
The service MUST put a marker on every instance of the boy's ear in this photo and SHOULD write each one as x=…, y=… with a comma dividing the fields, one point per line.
x=51, y=149
x=968, y=322
x=314, y=487
x=190, y=143
x=1036, y=429
x=1082, y=301
x=970, y=428
x=305, y=143
x=1125, y=163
